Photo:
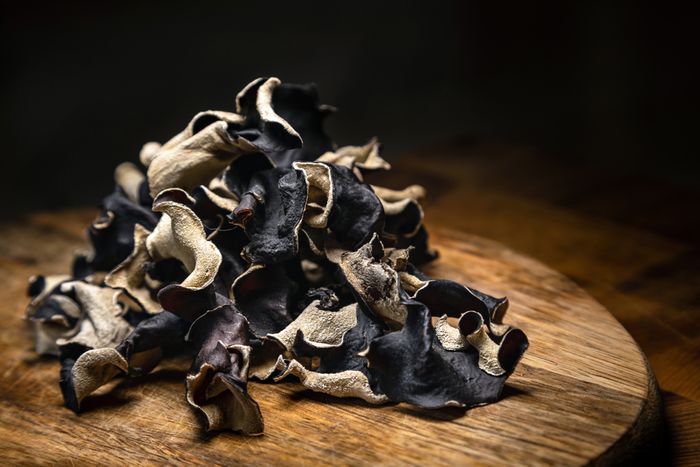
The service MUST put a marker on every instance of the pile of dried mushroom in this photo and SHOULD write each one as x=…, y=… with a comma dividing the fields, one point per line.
x=255, y=244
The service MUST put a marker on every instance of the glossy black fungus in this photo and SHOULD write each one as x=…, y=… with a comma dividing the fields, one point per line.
x=273, y=223
x=230, y=242
x=265, y=296
x=36, y=286
x=189, y=304
x=207, y=211
x=245, y=251
x=222, y=324
x=410, y=365
x=145, y=198
x=167, y=271
x=404, y=223
x=299, y=105
x=152, y=339
x=451, y=298
x=357, y=213
x=112, y=233
x=240, y=172
x=266, y=135
x=217, y=380
x=163, y=332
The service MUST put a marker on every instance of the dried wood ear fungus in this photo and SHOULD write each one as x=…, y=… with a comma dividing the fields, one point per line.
x=252, y=243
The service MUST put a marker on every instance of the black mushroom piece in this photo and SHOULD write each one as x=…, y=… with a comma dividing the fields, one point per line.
x=112, y=234
x=84, y=370
x=299, y=105
x=271, y=212
x=357, y=212
x=411, y=365
x=252, y=244
x=217, y=380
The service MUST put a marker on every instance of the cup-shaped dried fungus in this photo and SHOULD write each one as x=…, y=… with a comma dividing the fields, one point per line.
x=252, y=243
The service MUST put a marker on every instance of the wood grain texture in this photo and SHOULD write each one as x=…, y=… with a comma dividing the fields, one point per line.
x=582, y=387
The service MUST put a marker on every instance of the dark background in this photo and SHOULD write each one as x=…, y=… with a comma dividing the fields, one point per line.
x=84, y=85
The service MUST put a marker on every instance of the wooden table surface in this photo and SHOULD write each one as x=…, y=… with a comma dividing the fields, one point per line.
x=639, y=259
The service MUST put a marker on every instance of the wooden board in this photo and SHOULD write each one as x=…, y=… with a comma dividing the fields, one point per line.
x=582, y=393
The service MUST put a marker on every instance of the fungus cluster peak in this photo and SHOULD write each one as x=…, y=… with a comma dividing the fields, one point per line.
x=251, y=242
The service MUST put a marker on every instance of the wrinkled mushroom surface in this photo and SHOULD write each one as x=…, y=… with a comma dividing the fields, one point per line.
x=252, y=243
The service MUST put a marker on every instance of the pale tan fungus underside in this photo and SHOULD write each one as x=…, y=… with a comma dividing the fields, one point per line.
x=349, y=383
x=130, y=274
x=364, y=157
x=319, y=200
x=95, y=368
x=180, y=234
x=367, y=275
x=102, y=324
x=322, y=328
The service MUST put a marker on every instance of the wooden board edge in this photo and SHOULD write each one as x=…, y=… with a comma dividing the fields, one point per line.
x=645, y=439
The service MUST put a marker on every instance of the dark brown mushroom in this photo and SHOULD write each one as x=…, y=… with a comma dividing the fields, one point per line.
x=256, y=243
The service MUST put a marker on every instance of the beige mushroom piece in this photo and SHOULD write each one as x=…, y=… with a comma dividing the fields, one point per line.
x=130, y=274
x=180, y=234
